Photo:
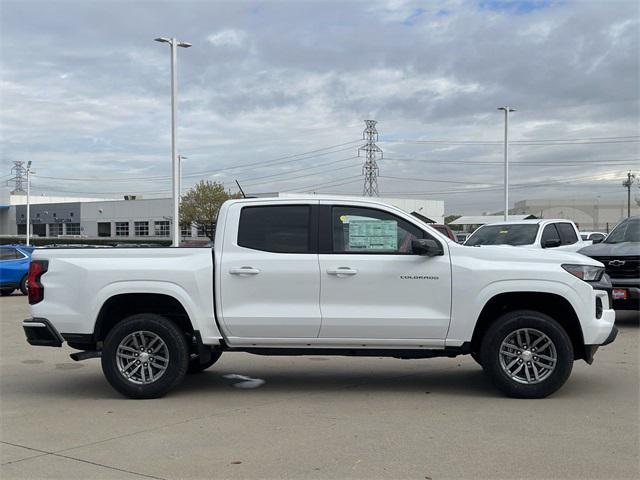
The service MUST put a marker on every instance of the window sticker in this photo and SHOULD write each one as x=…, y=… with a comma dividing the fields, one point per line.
x=371, y=234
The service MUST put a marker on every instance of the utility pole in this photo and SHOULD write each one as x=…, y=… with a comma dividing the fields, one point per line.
x=631, y=178
x=174, y=160
x=370, y=168
x=28, y=230
x=507, y=110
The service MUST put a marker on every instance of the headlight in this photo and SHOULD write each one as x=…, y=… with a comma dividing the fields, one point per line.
x=588, y=273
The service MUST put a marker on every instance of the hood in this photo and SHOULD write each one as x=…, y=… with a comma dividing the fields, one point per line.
x=534, y=255
x=612, y=249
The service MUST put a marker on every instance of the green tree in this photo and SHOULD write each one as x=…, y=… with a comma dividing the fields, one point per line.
x=200, y=205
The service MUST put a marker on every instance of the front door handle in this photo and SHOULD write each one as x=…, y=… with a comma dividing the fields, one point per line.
x=340, y=271
x=244, y=271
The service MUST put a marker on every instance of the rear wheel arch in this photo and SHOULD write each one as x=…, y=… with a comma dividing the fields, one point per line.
x=551, y=304
x=118, y=307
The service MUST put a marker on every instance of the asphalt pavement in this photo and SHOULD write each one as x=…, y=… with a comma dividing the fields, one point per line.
x=314, y=417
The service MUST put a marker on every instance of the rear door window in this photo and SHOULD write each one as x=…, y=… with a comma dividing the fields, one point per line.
x=276, y=228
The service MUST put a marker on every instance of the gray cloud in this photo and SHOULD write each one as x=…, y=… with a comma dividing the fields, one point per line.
x=85, y=92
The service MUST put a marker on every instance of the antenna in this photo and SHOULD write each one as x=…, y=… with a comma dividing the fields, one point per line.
x=241, y=191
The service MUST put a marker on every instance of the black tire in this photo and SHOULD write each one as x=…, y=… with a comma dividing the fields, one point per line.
x=196, y=367
x=23, y=286
x=506, y=325
x=176, y=346
x=5, y=292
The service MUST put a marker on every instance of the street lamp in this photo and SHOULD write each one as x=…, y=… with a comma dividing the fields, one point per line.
x=29, y=172
x=506, y=159
x=180, y=158
x=175, y=186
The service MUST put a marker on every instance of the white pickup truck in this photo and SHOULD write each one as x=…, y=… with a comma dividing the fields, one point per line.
x=308, y=276
x=537, y=233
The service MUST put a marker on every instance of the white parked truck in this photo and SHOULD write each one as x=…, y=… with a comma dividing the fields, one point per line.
x=309, y=276
x=537, y=233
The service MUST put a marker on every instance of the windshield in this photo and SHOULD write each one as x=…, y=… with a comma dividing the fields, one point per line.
x=504, y=235
x=626, y=231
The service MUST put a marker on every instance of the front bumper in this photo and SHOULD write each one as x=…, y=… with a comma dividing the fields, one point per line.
x=590, y=350
x=40, y=332
x=630, y=288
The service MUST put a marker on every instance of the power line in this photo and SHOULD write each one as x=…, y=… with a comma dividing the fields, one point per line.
x=279, y=160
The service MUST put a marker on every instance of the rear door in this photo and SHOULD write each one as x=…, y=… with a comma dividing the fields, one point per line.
x=269, y=273
x=372, y=285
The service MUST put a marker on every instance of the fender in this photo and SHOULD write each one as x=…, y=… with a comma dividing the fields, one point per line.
x=200, y=311
x=465, y=314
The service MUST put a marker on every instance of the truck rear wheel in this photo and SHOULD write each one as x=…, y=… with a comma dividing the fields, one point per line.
x=527, y=354
x=145, y=356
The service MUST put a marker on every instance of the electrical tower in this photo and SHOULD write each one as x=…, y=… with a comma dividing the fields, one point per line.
x=628, y=183
x=370, y=167
x=19, y=179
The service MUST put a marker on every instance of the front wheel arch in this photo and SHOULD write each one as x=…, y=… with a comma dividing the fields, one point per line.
x=550, y=304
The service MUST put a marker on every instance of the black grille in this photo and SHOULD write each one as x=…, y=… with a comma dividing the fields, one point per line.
x=614, y=268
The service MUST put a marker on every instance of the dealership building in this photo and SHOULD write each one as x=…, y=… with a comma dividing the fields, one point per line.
x=131, y=217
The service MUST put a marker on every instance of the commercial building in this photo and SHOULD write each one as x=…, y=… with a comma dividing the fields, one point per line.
x=588, y=215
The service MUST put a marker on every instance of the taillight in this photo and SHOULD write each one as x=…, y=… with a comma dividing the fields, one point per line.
x=36, y=290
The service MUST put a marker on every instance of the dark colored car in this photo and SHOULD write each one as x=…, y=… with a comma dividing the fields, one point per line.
x=620, y=254
x=14, y=266
x=445, y=230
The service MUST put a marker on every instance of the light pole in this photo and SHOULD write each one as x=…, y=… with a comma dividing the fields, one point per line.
x=180, y=158
x=29, y=172
x=174, y=160
x=626, y=184
x=506, y=159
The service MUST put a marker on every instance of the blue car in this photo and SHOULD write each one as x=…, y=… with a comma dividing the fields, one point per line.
x=14, y=266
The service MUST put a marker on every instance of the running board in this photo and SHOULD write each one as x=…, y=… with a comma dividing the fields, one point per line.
x=78, y=356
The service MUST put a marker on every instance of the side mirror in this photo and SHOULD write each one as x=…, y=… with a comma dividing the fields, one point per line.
x=426, y=247
x=551, y=243
x=597, y=240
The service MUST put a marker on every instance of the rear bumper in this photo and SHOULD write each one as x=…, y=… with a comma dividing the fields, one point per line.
x=40, y=332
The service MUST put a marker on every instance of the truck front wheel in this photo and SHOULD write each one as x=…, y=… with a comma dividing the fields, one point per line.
x=145, y=356
x=527, y=354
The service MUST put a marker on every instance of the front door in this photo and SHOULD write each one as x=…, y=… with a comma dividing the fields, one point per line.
x=269, y=274
x=372, y=285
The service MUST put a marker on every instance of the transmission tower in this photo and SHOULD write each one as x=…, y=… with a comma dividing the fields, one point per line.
x=370, y=167
x=19, y=180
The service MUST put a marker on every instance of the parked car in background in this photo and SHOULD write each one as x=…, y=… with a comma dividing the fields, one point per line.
x=14, y=266
x=445, y=230
x=462, y=237
x=620, y=254
x=595, y=237
x=537, y=233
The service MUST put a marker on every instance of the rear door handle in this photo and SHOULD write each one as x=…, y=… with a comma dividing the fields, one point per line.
x=342, y=271
x=244, y=271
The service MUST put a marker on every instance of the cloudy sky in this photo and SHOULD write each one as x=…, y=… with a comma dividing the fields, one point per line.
x=274, y=94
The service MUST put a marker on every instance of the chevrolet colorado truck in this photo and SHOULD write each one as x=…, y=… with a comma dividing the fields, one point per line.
x=332, y=276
